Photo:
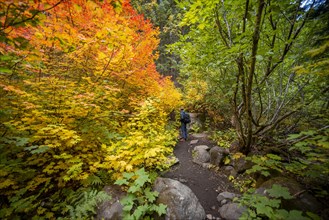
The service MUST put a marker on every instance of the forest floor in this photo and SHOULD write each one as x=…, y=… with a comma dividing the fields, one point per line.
x=205, y=183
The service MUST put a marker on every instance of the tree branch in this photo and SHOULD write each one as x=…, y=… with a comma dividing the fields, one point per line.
x=11, y=24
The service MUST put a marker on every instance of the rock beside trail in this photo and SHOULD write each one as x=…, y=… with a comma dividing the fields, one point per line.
x=201, y=154
x=302, y=200
x=231, y=211
x=201, y=147
x=180, y=200
x=172, y=160
x=229, y=171
x=217, y=155
x=226, y=197
x=111, y=209
x=241, y=165
x=200, y=135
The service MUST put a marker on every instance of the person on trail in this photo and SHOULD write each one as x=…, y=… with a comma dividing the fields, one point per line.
x=184, y=119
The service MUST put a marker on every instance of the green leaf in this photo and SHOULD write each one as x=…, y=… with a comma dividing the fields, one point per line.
x=274, y=157
x=5, y=70
x=151, y=196
x=128, y=176
x=278, y=191
x=128, y=200
x=143, y=177
x=296, y=215
x=294, y=136
x=263, y=209
x=21, y=141
x=161, y=209
x=281, y=214
x=36, y=149
x=134, y=188
x=313, y=216
x=121, y=182
x=140, y=211
x=259, y=57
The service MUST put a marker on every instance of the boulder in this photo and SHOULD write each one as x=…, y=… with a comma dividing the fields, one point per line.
x=111, y=209
x=241, y=165
x=231, y=211
x=201, y=155
x=235, y=146
x=200, y=135
x=303, y=200
x=172, y=160
x=217, y=154
x=201, y=147
x=228, y=196
x=180, y=200
x=229, y=171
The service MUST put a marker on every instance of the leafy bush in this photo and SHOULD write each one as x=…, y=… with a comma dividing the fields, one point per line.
x=311, y=164
x=140, y=200
x=76, y=94
x=269, y=207
x=265, y=164
x=224, y=138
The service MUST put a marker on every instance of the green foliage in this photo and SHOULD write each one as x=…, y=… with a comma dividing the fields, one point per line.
x=220, y=46
x=311, y=161
x=224, y=138
x=194, y=128
x=84, y=201
x=140, y=200
x=165, y=15
x=264, y=164
x=269, y=207
x=242, y=182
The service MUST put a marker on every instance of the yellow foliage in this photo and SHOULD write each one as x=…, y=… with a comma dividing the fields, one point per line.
x=238, y=155
x=85, y=98
x=6, y=183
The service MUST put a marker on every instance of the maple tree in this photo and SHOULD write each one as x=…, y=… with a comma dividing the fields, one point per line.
x=78, y=88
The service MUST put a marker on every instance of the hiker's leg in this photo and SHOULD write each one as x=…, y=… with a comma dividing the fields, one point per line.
x=184, y=131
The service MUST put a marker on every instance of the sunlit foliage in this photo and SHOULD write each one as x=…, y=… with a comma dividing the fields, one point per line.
x=78, y=87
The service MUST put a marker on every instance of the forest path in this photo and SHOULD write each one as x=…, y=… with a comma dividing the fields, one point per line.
x=206, y=184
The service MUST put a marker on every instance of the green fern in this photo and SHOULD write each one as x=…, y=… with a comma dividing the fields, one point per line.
x=84, y=202
x=93, y=180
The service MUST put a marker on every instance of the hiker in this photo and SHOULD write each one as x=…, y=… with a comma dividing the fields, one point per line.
x=184, y=119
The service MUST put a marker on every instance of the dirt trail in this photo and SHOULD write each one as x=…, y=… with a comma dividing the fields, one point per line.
x=205, y=183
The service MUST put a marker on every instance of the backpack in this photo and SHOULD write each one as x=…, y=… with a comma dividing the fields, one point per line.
x=186, y=117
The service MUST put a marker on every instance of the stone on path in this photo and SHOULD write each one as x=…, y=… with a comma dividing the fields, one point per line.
x=217, y=154
x=200, y=135
x=231, y=211
x=194, y=142
x=180, y=200
x=172, y=160
x=201, y=147
x=226, y=195
x=201, y=155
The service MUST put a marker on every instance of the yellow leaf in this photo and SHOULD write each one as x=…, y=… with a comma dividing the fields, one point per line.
x=4, y=184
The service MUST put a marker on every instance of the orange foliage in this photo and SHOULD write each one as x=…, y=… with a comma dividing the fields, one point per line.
x=73, y=87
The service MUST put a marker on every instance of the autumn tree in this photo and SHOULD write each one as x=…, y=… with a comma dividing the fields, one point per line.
x=82, y=103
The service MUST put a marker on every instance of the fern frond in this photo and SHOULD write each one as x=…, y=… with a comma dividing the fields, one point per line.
x=83, y=204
